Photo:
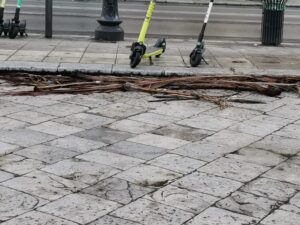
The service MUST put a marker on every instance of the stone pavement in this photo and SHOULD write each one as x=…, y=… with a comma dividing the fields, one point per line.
x=84, y=55
x=122, y=158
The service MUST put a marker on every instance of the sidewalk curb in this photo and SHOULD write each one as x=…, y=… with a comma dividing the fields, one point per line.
x=124, y=70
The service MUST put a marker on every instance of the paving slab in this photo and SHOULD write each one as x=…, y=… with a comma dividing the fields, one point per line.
x=233, y=169
x=31, y=117
x=208, y=184
x=44, y=185
x=293, y=205
x=132, y=126
x=146, y=175
x=61, y=109
x=84, y=120
x=177, y=163
x=10, y=124
x=45, y=153
x=79, y=170
x=281, y=217
x=14, y=203
x=111, y=220
x=287, y=172
x=271, y=189
x=105, y=135
x=35, y=217
x=111, y=159
x=80, y=208
x=158, y=141
x=7, y=148
x=148, y=212
x=136, y=150
x=248, y=204
x=5, y=176
x=76, y=144
x=118, y=190
x=23, y=166
x=184, y=199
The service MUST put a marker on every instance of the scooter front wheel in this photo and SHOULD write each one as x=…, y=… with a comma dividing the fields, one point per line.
x=195, y=59
x=13, y=32
x=135, y=59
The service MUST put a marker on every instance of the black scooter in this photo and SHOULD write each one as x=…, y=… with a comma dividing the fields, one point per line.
x=197, y=54
x=17, y=26
x=4, y=24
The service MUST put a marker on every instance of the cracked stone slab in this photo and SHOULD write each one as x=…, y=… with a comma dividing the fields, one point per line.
x=293, y=205
x=132, y=126
x=35, y=218
x=10, y=107
x=79, y=170
x=7, y=148
x=56, y=129
x=61, y=109
x=177, y=163
x=84, y=120
x=183, y=133
x=184, y=199
x=14, y=203
x=148, y=212
x=158, y=141
x=24, y=137
x=118, y=190
x=215, y=216
x=233, y=169
x=118, y=110
x=295, y=160
x=48, y=154
x=5, y=176
x=111, y=159
x=287, y=111
x=248, y=204
x=208, y=184
x=22, y=166
x=31, y=117
x=146, y=175
x=105, y=135
x=135, y=150
x=31, y=100
x=257, y=156
x=205, y=150
x=44, y=185
x=77, y=144
x=280, y=217
x=207, y=122
x=287, y=172
x=280, y=145
x=271, y=189
x=80, y=208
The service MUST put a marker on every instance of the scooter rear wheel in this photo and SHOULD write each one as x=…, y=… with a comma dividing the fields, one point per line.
x=135, y=59
x=13, y=32
x=195, y=59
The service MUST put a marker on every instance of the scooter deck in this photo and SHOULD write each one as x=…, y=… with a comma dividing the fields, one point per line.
x=153, y=51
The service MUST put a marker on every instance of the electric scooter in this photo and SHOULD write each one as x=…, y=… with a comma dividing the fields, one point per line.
x=197, y=54
x=139, y=49
x=17, y=26
x=4, y=25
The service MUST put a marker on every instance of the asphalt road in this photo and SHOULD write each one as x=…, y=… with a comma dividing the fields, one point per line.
x=177, y=21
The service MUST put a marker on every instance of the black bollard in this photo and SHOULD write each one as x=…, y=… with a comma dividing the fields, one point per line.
x=48, y=18
x=109, y=28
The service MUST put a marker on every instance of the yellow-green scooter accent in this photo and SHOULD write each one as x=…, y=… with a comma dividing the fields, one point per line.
x=139, y=50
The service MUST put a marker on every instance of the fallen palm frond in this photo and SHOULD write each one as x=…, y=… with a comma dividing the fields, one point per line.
x=173, y=88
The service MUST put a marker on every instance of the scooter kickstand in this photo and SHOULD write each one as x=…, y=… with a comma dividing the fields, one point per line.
x=151, y=61
x=205, y=61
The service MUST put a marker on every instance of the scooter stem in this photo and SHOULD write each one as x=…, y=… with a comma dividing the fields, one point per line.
x=201, y=36
x=147, y=21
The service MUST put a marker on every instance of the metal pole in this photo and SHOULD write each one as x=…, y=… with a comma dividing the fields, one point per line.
x=48, y=18
x=109, y=23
